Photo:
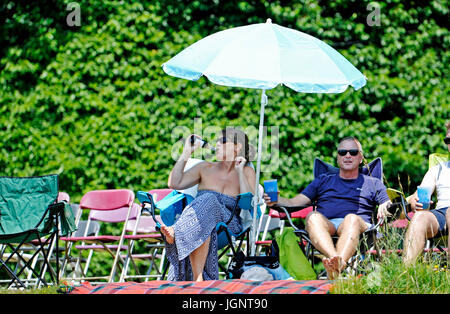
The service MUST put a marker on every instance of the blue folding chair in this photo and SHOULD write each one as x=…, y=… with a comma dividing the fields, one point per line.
x=367, y=239
x=225, y=236
x=175, y=201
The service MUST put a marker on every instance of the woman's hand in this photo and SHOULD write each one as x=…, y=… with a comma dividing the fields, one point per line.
x=188, y=148
x=415, y=205
x=240, y=163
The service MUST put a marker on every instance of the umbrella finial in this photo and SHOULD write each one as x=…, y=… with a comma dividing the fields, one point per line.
x=269, y=21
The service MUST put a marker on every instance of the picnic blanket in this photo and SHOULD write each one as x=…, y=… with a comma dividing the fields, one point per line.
x=236, y=286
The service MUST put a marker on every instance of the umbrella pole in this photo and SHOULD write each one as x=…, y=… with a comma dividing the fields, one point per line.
x=256, y=198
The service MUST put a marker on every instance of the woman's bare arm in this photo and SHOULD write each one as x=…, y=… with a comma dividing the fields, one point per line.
x=180, y=180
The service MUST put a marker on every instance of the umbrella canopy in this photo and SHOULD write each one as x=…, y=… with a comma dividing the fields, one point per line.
x=263, y=56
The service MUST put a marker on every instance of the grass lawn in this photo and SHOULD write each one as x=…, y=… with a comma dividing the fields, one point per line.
x=391, y=276
x=387, y=276
x=47, y=290
x=384, y=275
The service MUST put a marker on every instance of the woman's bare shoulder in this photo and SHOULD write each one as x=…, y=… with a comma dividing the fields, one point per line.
x=249, y=169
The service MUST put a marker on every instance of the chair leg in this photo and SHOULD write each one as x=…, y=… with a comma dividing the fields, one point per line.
x=152, y=265
x=161, y=264
x=12, y=274
x=166, y=267
x=266, y=228
x=46, y=265
x=67, y=250
x=28, y=264
x=127, y=261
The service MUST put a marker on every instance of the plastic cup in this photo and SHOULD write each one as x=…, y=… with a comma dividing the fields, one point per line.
x=424, y=194
x=271, y=188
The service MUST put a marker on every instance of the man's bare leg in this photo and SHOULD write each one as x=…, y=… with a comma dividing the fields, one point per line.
x=198, y=260
x=320, y=230
x=349, y=232
x=423, y=225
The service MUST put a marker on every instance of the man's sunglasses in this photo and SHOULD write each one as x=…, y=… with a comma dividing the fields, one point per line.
x=447, y=140
x=343, y=152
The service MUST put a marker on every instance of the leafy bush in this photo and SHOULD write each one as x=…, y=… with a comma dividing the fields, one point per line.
x=92, y=103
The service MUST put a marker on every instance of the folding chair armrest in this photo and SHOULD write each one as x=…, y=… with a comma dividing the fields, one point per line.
x=233, y=213
x=375, y=226
x=148, y=199
x=284, y=209
x=57, y=208
x=302, y=233
x=288, y=209
x=398, y=199
x=405, y=205
x=222, y=227
x=403, y=209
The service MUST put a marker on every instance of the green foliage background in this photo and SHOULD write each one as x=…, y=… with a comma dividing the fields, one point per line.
x=93, y=104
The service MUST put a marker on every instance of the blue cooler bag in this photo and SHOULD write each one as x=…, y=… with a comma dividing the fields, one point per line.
x=171, y=206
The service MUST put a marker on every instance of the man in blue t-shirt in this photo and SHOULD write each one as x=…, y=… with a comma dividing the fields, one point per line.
x=345, y=203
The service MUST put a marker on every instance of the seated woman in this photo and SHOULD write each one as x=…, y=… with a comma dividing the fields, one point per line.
x=192, y=240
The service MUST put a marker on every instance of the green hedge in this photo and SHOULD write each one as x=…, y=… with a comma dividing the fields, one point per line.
x=92, y=103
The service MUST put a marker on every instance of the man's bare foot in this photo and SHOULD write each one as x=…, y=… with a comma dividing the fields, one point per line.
x=342, y=264
x=334, y=266
x=169, y=234
x=338, y=263
x=331, y=272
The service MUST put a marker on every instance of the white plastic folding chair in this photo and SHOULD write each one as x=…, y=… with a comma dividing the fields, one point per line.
x=143, y=231
x=72, y=264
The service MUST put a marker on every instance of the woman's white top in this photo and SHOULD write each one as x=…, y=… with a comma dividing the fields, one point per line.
x=438, y=178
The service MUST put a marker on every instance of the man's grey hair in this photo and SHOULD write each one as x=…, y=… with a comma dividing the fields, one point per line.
x=354, y=139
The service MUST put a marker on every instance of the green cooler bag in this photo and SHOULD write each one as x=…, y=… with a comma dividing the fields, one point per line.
x=292, y=258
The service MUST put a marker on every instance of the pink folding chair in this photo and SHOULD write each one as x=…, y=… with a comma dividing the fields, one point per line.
x=109, y=207
x=159, y=194
x=63, y=196
x=143, y=229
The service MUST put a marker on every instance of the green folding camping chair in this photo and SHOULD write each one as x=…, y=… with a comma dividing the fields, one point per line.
x=29, y=211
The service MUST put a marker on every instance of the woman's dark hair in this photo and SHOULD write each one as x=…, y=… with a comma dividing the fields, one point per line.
x=237, y=136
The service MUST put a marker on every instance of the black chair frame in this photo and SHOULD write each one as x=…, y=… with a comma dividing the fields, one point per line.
x=55, y=211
